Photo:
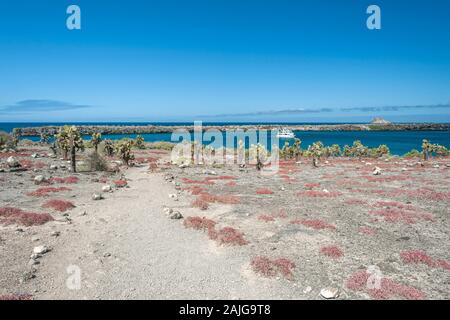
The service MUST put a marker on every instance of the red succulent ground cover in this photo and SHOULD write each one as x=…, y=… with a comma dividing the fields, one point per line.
x=191, y=181
x=367, y=230
x=317, y=224
x=227, y=236
x=225, y=199
x=270, y=268
x=421, y=257
x=12, y=297
x=332, y=251
x=394, y=204
x=120, y=183
x=5, y=155
x=58, y=205
x=266, y=218
x=388, y=288
x=220, y=178
x=231, y=184
x=199, y=203
x=393, y=215
x=423, y=193
x=264, y=191
x=354, y=201
x=387, y=178
x=312, y=185
x=44, y=191
x=9, y=215
x=199, y=223
x=318, y=194
x=66, y=180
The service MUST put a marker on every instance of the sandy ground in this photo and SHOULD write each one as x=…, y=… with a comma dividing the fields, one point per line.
x=310, y=228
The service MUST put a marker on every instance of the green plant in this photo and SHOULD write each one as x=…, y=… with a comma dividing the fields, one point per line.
x=296, y=149
x=95, y=140
x=108, y=147
x=412, y=154
x=334, y=150
x=427, y=149
x=6, y=141
x=286, y=151
x=44, y=137
x=69, y=139
x=139, y=142
x=316, y=151
x=123, y=150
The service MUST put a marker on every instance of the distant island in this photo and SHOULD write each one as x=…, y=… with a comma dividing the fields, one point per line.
x=377, y=124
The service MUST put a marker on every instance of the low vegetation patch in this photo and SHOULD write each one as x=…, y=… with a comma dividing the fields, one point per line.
x=332, y=251
x=271, y=268
x=264, y=191
x=199, y=223
x=317, y=224
x=58, y=205
x=421, y=257
x=45, y=191
x=228, y=236
x=386, y=288
x=9, y=215
x=66, y=180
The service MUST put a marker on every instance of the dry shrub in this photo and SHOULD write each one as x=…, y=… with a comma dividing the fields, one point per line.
x=270, y=268
x=388, y=288
x=95, y=162
x=9, y=215
x=58, y=205
x=44, y=191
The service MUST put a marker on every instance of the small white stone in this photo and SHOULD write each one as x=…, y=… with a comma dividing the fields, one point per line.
x=97, y=196
x=307, y=289
x=330, y=293
x=106, y=188
x=40, y=250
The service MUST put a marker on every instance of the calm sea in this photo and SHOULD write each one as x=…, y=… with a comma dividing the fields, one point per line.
x=399, y=142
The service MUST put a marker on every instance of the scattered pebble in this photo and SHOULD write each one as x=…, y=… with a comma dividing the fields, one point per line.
x=176, y=215
x=40, y=250
x=97, y=196
x=329, y=293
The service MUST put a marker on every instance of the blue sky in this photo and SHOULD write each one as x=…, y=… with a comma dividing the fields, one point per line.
x=217, y=60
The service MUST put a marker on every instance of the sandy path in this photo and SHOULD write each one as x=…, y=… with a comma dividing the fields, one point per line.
x=126, y=247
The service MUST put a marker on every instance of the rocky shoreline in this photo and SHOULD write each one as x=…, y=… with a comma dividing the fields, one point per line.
x=131, y=129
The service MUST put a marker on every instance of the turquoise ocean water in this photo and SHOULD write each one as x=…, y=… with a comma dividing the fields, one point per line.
x=399, y=142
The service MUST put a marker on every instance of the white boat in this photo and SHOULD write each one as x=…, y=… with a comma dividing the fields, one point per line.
x=285, y=133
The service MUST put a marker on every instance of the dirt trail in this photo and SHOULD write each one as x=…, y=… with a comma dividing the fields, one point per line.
x=126, y=247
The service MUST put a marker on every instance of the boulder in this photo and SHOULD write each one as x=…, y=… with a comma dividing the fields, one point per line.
x=12, y=162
